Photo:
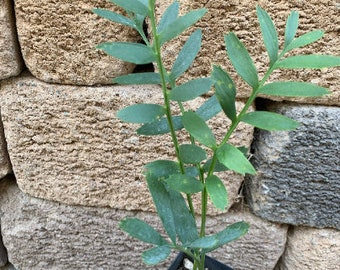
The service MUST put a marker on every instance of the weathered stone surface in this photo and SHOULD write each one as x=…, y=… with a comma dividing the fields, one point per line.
x=10, y=58
x=261, y=248
x=311, y=249
x=3, y=253
x=56, y=236
x=66, y=144
x=40, y=234
x=58, y=41
x=298, y=171
x=5, y=163
x=7, y=267
x=239, y=16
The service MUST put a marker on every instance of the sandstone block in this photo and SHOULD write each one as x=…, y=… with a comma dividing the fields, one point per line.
x=66, y=144
x=5, y=163
x=239, y=16
x=56, y=236
x=10, y=58
x=298, y=171
x=58, y=41
x=311, y=249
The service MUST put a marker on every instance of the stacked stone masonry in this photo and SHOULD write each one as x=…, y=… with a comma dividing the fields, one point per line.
x=68, y=166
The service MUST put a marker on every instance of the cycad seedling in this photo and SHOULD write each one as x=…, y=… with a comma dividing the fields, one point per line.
x=198, y=160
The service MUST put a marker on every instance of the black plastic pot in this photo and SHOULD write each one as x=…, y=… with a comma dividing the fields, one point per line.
x=210, y=263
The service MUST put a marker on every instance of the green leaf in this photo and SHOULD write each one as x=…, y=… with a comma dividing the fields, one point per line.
x=191, y=154
x=184, y=183
x=209, y=108
x=206, y=111
x=139, y=78
x=191, y=171
x=184, y=221
x=114, y=17
x=219, y=167
x=171, y=206
x=269, y=121
x=293, y=89
x=241, y=60
x=310, y=61
x=225, y=91
x=134, y=6
x=244, y=150
x=160, y=126
x=305, y=39
x=180, y=24
x=156, y=255
x=169, y=16
x=217, y=192
x=204, y=242
x=291, y=27
x=141, y=230
x=141, y=113
x=229, y=234
x=233, y=158
x=162, y=200
x=269, y=34
x=162, y=168
x=198, y=129
x=187, y=54
x=129, y=52
x=191, y=90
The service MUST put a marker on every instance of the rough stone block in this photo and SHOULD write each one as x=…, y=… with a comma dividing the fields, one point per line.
x=66, y=144
x=311, y=249
x=239, y=16
x=298, y=172
x=5, y=163
x=58, y=41
x=10, y=58
x=56, y=236
x=3, y=253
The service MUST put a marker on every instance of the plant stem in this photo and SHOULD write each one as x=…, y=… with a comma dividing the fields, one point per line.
x=230, y=131
x=162, y=72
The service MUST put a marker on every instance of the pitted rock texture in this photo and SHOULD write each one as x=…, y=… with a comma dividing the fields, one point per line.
x=56, y=236
x=10, y=58
x=66, y=144
x=311, y=249
x=58, y=40
x=239, y=16
x=5, y=163
x=298, y=171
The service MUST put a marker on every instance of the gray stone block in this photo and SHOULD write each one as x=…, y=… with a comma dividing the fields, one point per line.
x=3, y=253
x=298, y=171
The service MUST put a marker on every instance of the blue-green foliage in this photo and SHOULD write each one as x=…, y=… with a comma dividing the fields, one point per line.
x=203, y=155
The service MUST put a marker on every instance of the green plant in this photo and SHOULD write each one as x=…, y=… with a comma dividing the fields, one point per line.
x=194, y=170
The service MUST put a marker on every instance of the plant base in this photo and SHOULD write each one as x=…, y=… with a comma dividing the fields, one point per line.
x=210, y=263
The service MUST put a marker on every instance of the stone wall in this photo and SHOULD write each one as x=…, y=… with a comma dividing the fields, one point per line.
x=68, y=166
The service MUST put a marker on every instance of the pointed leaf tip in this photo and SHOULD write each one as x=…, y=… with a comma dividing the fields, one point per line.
x=269, y=34
x=241, y=60
x=234, y=159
